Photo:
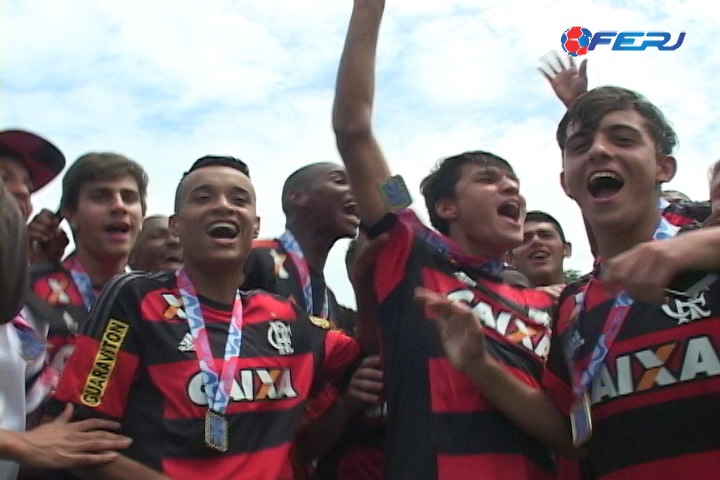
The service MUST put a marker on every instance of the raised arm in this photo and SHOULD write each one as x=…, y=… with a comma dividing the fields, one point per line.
x=352, y=110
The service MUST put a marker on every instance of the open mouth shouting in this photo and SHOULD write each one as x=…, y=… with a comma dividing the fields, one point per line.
x=604, y=185
x=511, y=211
x=224, y=231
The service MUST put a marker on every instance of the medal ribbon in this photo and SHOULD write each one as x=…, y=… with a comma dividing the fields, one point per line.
x=292, y=247
x=448, y=248
x=31, y=345
x=217, y=387
x=582, y=376
x=82, y=282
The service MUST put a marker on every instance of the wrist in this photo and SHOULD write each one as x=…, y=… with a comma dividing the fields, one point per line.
x=481, y=370
x=11, y=445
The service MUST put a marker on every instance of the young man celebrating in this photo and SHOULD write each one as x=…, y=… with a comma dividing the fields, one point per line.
x=540, y=257
x=103, y=200
x=440, y=425
x=219, y=375
x=638, y=379
x=320, y=210
x=156, y=248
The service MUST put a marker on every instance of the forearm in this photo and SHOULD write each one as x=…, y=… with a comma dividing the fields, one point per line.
x=320, y=436
x=352, y=110
x=527, y=407
x=699, y=251
x=122, y=468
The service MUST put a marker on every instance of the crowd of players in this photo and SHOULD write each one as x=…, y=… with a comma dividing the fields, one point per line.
x=136, y=356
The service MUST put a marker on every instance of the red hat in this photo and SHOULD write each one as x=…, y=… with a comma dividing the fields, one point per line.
x=43, y=160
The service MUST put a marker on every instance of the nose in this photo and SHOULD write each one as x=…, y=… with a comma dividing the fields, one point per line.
x=599, y=150
x=509, y=186
x=118, y=203
x=172, y=241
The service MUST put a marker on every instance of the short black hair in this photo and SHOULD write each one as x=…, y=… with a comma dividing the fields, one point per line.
x=590, y=108
x=540, y=216
x=300, y=180
x=211, y=161
x=440, y=183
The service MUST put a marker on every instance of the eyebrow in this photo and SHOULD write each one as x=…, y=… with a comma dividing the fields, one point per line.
x=616, y=127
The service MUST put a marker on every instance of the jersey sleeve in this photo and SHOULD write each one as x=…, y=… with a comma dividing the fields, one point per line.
x=342, y=355
x=100, y=373
x=392, y=259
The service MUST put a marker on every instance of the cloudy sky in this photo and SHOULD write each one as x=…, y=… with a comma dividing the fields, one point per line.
x=167, y=81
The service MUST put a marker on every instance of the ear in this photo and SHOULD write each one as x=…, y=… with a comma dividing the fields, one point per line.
x=298, y=199
x=174, y=225
x=567, y=250
x=447, y=209
x=70, y=217
x=564, y=185
x=666, y=168
x=256, y=232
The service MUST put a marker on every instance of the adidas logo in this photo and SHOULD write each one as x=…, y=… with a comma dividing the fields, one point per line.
x=187, y=345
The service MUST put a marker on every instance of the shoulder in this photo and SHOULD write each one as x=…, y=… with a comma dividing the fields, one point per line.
x=136, y=284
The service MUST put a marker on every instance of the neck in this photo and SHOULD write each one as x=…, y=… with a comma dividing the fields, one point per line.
x=100, y=270
x=543, y=280
x=217, y=285
x=474, y=248
x=612, y=242
x=315, y=244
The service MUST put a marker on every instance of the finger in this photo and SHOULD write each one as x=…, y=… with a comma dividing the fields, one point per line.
x=367, y=385
x=583, y=69
x=92, y=444
x=373, y=362
x=364, y=396
x=545, y=74
x=95, y=424
x=369, y=374
x=66, y=414
x=572, y=62
x=76, y=460
x=560, y=63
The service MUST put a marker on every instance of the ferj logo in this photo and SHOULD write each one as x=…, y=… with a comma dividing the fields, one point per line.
x=578, y=41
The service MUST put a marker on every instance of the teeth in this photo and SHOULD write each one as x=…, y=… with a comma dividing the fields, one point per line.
x=539, y=255
x=598, y=175
x=224, y=225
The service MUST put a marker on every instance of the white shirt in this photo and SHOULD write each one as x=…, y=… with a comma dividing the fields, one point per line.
x=14, y=371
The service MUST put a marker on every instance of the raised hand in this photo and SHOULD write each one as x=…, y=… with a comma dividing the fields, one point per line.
x=460, y=330
x=62, y=444
x=568, y=82
x=47, y=239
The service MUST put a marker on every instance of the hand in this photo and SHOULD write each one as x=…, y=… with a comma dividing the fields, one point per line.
x=362, y=270
x=644, y=271
x=366, y=384
x=713, y=220
x=47, y=239
x=62, y=444
x=461, y=332
x=552, y=290
x=567, y=82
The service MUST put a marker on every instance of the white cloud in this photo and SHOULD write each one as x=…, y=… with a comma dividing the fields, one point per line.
x=166, y=82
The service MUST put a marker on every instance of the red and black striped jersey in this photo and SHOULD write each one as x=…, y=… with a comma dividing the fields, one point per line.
x=358, y=455
x=655, y=398
x=53, y=283
x=269, y=267
x=135, y=362
x=687, y=213
x=439, y=424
